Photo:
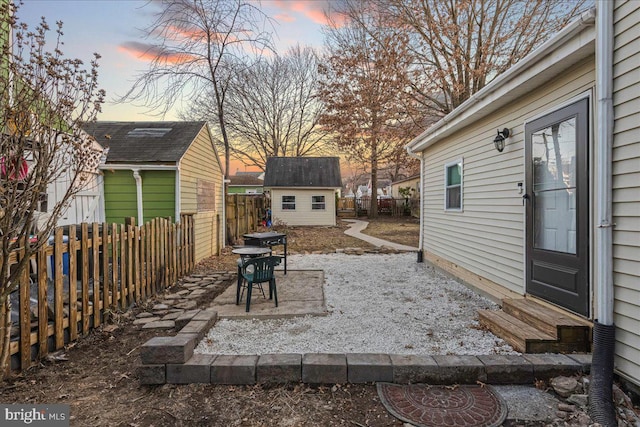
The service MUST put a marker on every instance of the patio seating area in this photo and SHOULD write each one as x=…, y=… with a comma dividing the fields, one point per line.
x=300, y=293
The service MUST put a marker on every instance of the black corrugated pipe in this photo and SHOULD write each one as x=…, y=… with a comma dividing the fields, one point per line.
x=601, y=407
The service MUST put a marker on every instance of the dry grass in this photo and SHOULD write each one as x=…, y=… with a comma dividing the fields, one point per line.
x=402, y=230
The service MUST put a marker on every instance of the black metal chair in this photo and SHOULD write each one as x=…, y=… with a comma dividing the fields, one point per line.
x=257, y=271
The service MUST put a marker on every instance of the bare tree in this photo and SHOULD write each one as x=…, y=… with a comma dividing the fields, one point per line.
x=364, y=86
x=272, y=109
x=44, y=100
x=461, y=45
x=198, y=46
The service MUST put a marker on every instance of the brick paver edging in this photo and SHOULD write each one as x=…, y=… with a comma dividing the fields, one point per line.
x=172, y=360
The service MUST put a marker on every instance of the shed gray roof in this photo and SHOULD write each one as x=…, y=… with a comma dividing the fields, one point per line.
x=145, y=142
x=323, y=172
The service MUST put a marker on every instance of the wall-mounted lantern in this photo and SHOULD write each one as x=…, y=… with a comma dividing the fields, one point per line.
x=500, y=138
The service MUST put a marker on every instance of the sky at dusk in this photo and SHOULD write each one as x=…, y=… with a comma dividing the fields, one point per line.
x=111, y=27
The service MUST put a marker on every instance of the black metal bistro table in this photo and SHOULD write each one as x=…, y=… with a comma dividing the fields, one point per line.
x=270, y=239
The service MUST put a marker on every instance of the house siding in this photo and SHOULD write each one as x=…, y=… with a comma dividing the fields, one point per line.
x=626, y=188
x=201, y=162
x=119, y=195
x=158, y=194
x=303, y=214
x=487, y=237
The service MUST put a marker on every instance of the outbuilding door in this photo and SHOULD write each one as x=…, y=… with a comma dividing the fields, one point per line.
x=557, y=235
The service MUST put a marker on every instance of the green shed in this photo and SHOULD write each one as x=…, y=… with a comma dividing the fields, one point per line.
x=163, y=169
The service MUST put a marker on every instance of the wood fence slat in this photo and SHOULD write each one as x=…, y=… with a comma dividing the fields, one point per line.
x=25, y=312
x=95, y=246
x=104, y=236
x=136, y=262
x=143, y=277
x=148, y=252
x=43, y=304
x=73, y=284
x=130, y=284
x=58, y=289
x=84, y=253
x=114, y=266
x=152, y=249
x=123, y=268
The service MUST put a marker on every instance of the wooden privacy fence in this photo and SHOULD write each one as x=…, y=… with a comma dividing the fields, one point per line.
x=89, y=271
x=244, y=214
x=352, y=206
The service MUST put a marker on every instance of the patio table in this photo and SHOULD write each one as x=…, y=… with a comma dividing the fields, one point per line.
x=270, y=239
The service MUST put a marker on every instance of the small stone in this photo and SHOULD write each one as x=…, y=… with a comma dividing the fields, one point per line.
x=562, y=415
x=581, y=400
x=158, y=307
x=564, y=386
x=584, y=419
x=143, y=315
x=566, y=408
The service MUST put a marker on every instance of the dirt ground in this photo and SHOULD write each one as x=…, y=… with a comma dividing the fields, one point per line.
x=96, y=376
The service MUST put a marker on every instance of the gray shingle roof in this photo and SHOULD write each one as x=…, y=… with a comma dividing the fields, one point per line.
x=144, y=142
x=321, y=172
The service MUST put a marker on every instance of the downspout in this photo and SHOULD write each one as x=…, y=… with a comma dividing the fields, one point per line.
x=421, y=236
x=601, y=407
x=178, y=195
x=138, y=178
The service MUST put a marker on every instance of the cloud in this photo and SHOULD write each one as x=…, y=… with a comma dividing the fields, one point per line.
x=284, y=17
x=311, y=9
x=147, y=53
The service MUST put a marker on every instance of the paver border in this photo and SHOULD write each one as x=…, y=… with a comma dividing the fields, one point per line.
x=171, y=360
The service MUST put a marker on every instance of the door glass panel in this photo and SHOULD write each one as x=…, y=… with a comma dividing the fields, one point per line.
x=554, y=187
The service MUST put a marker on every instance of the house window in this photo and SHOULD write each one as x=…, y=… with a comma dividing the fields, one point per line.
x=317, y=203
x=453, y=186
x=288, y=203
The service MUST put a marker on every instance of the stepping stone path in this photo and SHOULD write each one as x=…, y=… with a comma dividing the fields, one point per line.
x=179, y=304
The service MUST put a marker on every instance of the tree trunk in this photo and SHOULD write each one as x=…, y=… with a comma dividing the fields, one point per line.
x=5, y=335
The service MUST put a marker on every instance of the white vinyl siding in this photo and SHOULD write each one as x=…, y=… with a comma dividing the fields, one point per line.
x=488, y=237
x=201, y=163
x=304, y=214
x=626, y=188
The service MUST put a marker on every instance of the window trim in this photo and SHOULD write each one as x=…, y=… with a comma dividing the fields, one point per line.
x=283, y=203
x=323, y=203
x=456, y=162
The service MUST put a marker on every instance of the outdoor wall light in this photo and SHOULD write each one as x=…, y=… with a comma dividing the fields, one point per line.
x=498, y=141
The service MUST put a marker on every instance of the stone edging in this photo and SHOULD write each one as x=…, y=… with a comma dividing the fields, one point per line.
x=171, y=360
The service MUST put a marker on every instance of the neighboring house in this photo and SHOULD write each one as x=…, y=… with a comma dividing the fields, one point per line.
x=303, y=189
x=88, y=204
x=245, y=184
x=412, y=182
x=164, y=169
x=527, y=220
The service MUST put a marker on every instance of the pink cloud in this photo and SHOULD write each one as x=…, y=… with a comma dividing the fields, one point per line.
x=285, y=17
x=311, y=9
x=147, y=53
